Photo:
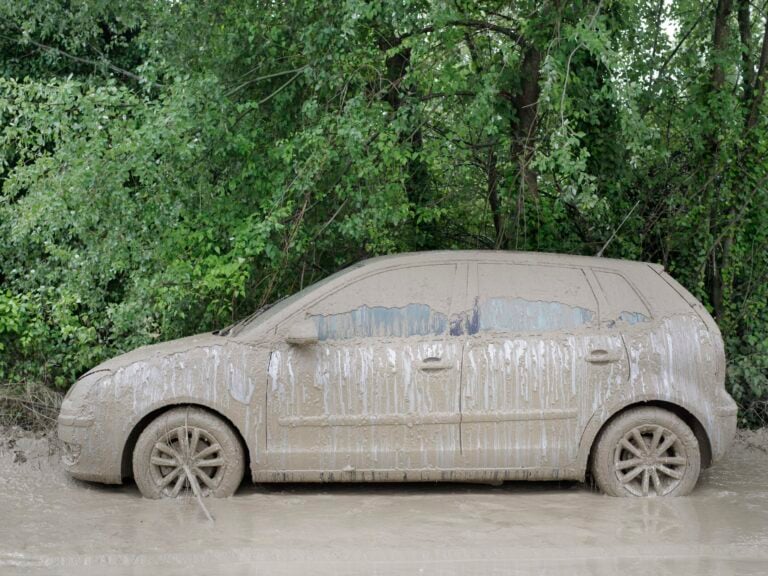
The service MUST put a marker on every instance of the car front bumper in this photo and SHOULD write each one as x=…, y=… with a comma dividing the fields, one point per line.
x=84, y=452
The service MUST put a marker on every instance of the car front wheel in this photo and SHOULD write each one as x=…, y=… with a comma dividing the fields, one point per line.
x=188, y=450
x=646, y=452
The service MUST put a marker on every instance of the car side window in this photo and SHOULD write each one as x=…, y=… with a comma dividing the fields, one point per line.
x=402, y=302
x=624, y=304
x=520, y=298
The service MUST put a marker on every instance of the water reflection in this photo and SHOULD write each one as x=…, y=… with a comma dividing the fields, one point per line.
x=53, y=525
x=662, y=520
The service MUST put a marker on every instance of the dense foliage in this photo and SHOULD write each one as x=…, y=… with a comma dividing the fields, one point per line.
x=168, y=166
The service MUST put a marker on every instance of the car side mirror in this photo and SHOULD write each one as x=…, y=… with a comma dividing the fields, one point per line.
x=302, y=333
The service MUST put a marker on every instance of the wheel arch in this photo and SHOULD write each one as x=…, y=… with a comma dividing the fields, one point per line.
x=595, y=427
x=126, y=465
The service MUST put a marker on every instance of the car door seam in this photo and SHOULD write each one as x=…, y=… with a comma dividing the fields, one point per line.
x=266, y=406
x=626, y=353
x=461, y=392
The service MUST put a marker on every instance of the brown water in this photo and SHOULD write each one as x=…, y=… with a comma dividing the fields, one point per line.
x=50, y=524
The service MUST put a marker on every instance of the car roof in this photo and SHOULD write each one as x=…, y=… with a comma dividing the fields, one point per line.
x=506, y=256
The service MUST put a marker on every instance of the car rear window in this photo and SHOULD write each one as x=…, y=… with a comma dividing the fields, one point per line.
x=662, y=297
x=624, y=303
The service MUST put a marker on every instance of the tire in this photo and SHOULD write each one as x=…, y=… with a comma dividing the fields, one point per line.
x=172, y=452
x=646, y=452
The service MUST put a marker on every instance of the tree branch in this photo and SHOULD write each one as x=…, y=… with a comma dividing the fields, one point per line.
x=269, y=96
x=676, y=49
x=88, y=61
x=475, y=24
x=435, y=95
x=265, y=77
x=568, y=63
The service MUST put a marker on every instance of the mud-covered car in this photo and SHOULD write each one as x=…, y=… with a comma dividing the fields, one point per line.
x=455, y=366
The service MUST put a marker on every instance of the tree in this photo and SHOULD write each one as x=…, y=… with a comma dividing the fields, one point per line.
x=167, y=167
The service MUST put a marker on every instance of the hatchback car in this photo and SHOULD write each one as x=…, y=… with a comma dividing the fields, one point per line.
x=455, y=366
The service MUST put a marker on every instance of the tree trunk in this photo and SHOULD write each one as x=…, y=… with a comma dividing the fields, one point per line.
x=745, y=34
x=758, y=90
x=492, y=179
x=719, y=42
x=714, y=266
x=524, y=129
x=491, y=166
x=397, y=65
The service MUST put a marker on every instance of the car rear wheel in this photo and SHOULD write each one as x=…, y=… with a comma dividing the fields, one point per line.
x=647, y=452
x=188, y=450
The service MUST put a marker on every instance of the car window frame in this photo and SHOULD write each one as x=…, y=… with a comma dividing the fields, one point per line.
x=297, y=316
x=610, y=312
x=294, y=310
x=475, y=293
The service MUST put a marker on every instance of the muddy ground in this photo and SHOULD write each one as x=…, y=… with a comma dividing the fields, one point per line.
x=50, y=524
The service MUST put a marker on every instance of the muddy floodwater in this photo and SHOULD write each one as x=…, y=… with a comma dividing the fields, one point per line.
x=50, y=524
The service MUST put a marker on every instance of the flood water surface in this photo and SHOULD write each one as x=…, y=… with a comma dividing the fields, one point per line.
x=50, y=524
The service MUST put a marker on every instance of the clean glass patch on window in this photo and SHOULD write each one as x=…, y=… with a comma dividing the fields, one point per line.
x=632, y=318
x=380, y=321
x=532, y=298
x=520, y=315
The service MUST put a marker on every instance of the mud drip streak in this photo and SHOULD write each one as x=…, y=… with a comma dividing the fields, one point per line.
x=366, y=405
x=520, y=401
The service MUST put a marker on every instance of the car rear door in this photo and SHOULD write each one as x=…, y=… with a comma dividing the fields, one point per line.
x=379, y=390
x=534, y=356
x=625, y=314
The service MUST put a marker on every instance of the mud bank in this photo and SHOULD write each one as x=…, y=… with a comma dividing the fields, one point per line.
x=50, y=524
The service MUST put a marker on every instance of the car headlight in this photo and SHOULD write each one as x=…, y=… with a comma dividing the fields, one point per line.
x=78, y=402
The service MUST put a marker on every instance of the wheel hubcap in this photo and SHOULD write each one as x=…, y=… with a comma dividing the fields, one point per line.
x=650, y=461
x=187, y=455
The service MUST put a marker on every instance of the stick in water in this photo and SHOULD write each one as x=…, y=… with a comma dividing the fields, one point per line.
x=196, y=490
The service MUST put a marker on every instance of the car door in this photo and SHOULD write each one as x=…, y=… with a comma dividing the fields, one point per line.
x=533, y=354
x=626, y=314
x=378, y=391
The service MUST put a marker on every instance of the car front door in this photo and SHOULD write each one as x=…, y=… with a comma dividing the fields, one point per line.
x=375, y=387
x=533, y=354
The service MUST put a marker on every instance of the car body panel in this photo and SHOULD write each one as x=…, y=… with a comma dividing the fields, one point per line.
x=436, y=378
x=526, y=376
x=379, y=390
x=217, y=374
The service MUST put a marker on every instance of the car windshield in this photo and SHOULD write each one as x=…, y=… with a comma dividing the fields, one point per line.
x=234, y=328
x=278, y=305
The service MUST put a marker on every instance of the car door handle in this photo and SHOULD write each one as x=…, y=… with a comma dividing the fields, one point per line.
x=433, y=363
x=603, y=356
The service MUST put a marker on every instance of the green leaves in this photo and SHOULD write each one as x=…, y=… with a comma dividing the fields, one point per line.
x=167, y=168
